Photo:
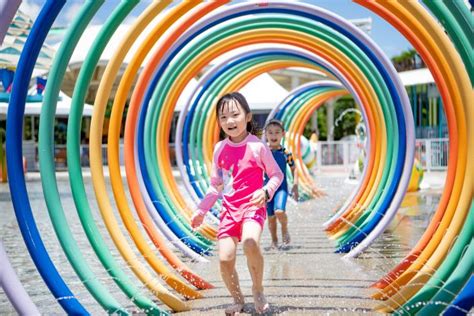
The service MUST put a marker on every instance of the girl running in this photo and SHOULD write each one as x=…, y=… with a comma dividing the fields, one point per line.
x=237, y=176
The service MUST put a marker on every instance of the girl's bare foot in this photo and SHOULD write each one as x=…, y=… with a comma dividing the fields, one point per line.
x=261, y=304
x=234, y=309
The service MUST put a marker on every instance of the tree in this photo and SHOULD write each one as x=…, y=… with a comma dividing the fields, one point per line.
x=348, y=122
x=407, y=60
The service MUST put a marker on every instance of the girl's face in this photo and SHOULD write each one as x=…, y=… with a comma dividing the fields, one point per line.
x=274, y=134
x=233, y=120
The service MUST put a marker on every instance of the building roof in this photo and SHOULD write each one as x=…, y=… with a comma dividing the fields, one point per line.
x=12, y=46
x=263, y=93
x=34, y=108
x=416, y=77
x=91, y=32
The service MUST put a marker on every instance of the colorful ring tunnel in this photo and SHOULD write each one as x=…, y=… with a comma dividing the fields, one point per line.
x=187, y=37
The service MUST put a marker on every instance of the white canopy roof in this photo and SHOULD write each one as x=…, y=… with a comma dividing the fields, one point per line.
x=415, y=77
x=91, y=32
x=263, y=93
x=34, y=108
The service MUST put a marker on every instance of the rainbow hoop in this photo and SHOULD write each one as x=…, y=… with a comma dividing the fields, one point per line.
x=185, y=40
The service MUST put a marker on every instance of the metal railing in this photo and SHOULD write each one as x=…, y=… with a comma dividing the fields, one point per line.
x=432, y=153
x=337, y=153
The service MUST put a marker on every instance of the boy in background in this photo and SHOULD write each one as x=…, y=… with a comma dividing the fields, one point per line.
x=276, y=208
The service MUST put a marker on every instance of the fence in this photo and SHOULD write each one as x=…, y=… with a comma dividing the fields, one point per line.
x=337, y=153
x=432, y=153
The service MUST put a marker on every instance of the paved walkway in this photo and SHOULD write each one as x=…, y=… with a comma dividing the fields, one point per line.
x=308, y=278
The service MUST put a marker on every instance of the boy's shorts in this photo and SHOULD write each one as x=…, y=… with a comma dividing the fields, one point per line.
x=277, y=203
x=228, y=227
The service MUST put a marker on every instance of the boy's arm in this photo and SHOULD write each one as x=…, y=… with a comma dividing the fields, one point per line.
x=294, y=173
x=275, y=175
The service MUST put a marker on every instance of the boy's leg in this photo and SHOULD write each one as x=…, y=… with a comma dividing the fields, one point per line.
x=251, y=232
x=280, y=207
x=227, y=250
x=272, y=226
x=283, y=219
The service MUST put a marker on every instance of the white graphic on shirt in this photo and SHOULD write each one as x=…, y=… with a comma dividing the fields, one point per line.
x=228, y=181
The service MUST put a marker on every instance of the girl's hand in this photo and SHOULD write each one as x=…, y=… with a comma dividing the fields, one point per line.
x=258, y=198
x=295, y=193
x=197, y=219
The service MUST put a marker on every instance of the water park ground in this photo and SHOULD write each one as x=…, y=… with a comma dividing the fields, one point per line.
x=305, y=278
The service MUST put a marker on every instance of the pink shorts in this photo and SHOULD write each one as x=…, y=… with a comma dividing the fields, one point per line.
x=228, y=227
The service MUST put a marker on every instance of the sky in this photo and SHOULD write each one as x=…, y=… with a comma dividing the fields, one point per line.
x=387, y=37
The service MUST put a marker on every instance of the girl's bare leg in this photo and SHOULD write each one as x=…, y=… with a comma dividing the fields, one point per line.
x=227, y=250
x=251, y=233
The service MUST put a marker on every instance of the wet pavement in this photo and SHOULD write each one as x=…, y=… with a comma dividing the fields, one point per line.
x=306, y=278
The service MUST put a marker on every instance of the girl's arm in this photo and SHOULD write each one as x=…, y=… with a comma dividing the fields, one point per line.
x=212, y=193
x=272, y=170
x=215, y=188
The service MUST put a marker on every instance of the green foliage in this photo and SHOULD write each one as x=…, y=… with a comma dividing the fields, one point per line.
x=346, y=126
x=322, y=126
x=28, y=130
x=108, y=108
x=60, y=131
x=407, y=60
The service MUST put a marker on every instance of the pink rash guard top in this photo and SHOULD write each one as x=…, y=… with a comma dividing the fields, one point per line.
x=237, y=172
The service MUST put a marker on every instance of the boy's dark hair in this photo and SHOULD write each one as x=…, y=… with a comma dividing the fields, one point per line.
x=252, y=126
x=275, y=122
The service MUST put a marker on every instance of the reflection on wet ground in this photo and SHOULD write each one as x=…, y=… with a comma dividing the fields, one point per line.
x=306, y=278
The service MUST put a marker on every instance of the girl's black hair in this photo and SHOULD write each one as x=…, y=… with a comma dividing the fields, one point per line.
x=252, y=126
